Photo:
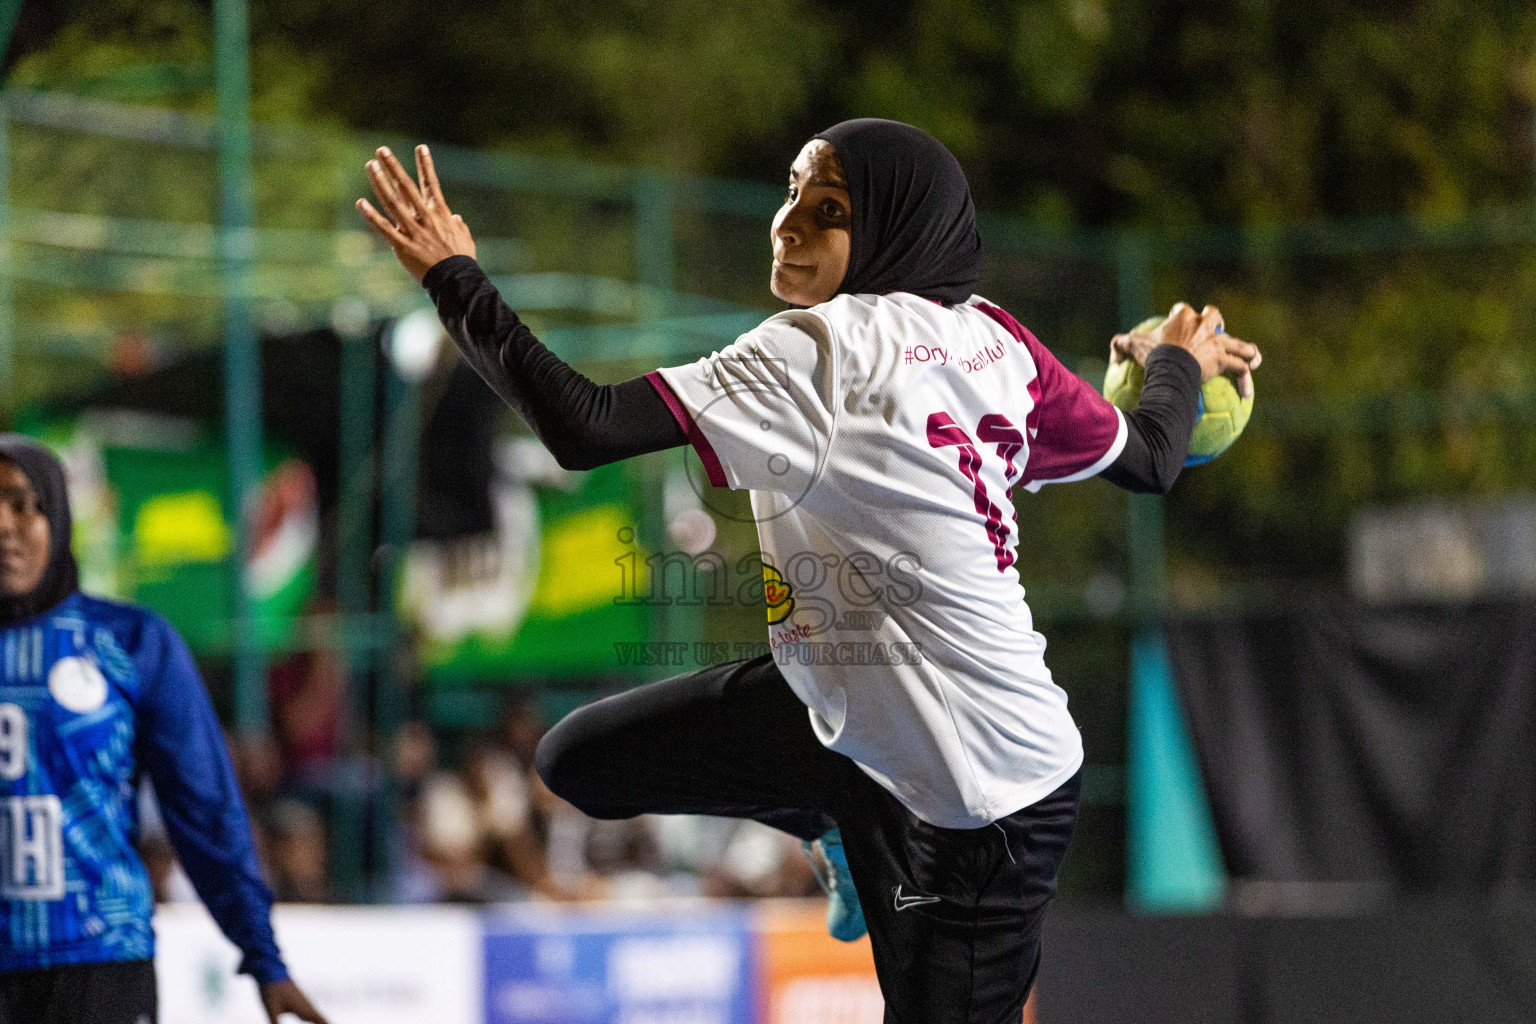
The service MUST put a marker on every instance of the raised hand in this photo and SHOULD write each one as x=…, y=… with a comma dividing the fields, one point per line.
x=419, y=226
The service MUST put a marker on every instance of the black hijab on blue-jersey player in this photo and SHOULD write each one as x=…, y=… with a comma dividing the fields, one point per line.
x=914, y=226
x=61, y=577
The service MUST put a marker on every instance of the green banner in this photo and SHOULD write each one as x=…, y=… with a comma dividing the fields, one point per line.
x=551, y=594
x=151, y=527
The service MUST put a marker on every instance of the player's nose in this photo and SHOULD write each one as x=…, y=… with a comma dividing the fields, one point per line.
x=786, y=233
x=795, y=226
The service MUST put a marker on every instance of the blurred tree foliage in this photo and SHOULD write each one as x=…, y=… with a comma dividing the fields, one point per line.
x=1073, y=114
x=1086, y=112
x=1080, y=117
x=1076, y=111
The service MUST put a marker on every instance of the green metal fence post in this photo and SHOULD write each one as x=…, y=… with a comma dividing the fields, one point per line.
x=397, y=526
x=654, y=257
x=354, y=534
x=655, y=207
x=1144, y=525
x=356, y=475
x=1173, y=865
x=9, y=10
x=242, y=355
x=7, y=338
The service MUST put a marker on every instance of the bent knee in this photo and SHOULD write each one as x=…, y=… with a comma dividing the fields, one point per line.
x=554, y=760
x=570, y=763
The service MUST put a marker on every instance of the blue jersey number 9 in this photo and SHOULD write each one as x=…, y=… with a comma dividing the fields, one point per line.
x=13, y=742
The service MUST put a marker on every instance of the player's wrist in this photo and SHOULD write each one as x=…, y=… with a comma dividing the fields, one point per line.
x=444, y=268
x=1174, y=355
x=265, y=969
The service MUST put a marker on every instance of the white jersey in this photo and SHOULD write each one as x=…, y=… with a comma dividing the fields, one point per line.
x=880, y=437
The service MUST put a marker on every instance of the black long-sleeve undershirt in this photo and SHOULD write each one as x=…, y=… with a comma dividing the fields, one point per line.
x=585, y=425
x=1158, y=429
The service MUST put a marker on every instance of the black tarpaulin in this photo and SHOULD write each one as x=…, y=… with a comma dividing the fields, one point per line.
x=1389, y=748
x=1434, y=962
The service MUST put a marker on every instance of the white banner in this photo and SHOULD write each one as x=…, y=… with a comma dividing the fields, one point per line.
x=359, y=965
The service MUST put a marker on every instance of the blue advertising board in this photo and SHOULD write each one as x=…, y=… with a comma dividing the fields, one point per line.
x=612, y=967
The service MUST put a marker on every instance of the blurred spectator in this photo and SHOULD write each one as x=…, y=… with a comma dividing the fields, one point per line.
x=297, y=853
x=761, y=861
x=258, y=763
x=490, y=831
x=521, y=728
x=415, y=879
x=495, y=782
x=307, y=689
x=733, y=858
x=592, y=859
x=622, y=854
x=415, y=758
x=473, y=829
x=455, y=833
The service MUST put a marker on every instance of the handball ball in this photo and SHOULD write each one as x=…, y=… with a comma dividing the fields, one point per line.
x=1219, y=419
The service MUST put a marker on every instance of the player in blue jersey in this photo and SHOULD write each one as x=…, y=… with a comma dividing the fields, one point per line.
x=93, y=694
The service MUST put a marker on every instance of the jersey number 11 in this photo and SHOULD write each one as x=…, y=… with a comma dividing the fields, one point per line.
x=993, y=428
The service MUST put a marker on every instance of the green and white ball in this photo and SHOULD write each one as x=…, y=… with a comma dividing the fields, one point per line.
x=1222, y=415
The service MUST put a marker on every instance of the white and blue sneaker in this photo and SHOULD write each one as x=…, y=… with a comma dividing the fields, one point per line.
x=845, y=915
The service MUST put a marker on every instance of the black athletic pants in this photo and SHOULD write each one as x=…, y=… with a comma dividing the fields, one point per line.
x=954, y=914
x=102, y=993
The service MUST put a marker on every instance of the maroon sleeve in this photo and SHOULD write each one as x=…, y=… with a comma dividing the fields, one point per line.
x=1074, y=432
x=690, y=429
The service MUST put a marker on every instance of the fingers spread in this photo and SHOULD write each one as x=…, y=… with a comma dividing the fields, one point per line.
x=381, y=224
x=384, y=188
x=1249, y=354
x=409, y=194
x=1233, y=364
x=427, y=172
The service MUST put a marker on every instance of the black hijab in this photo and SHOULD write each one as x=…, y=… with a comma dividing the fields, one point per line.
x=914, y=227
x=61, y=577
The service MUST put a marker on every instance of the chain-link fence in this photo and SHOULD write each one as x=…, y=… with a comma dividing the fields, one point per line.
x=1396, y=370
